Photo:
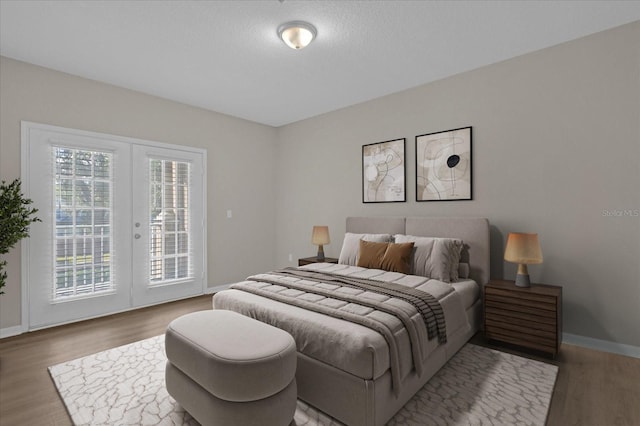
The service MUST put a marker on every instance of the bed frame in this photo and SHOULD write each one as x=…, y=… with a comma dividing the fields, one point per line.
x=355, y=401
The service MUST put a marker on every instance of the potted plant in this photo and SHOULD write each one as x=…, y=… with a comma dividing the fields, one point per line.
x=15, y=218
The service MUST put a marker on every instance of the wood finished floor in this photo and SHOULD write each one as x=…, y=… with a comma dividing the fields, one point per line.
x=593, y=388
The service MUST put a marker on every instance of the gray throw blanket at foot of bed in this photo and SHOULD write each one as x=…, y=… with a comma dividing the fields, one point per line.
x=427, y=305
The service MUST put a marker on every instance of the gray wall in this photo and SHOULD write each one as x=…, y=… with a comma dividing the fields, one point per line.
x=240, y=160
x=556, y=141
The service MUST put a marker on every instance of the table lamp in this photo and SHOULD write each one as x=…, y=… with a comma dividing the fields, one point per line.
x=523, y=249
x=320, y=237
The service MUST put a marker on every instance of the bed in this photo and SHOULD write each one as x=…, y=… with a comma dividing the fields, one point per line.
x=353, y=371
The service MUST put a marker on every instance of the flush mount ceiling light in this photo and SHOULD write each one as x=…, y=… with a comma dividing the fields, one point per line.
x=297, y=34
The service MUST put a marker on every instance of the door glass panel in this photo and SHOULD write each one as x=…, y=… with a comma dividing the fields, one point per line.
x=82, y=195
x=170, y=253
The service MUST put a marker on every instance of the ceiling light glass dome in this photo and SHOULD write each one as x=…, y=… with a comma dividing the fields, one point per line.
x=297, y=34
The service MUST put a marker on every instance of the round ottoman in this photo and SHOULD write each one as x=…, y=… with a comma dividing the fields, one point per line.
x=228, y=369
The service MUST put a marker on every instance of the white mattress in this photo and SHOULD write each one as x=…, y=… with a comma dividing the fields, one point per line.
x=469, y=291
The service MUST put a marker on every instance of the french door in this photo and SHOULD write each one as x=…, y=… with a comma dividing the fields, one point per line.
x=169, y=231
x=123, y=224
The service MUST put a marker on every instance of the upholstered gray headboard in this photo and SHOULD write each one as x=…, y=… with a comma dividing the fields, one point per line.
x=474, y=231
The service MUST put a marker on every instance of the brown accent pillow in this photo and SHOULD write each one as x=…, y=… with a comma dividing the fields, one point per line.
x=370, y=254
x=398, y=257
x=387, y=256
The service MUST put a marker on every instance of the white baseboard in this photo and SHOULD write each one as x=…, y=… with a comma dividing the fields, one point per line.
x=601, y=345
x=11, y=331
x=211, y=290
x=18, y=329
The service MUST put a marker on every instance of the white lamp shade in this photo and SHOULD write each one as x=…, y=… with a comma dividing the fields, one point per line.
x=320, y=235
x=523, y=248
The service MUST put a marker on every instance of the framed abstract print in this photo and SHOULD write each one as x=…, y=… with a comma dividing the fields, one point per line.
x=443, y=165
x=383, y=172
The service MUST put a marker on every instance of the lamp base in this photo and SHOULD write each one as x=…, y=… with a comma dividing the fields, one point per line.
x=320, y=255
x=522, y=280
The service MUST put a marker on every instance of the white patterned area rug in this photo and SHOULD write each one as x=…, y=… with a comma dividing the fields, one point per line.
x=478, y=386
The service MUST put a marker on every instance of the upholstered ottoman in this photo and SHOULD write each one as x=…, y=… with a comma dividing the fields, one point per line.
x=228, y=369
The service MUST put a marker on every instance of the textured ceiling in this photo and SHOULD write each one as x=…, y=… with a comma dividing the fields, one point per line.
x=225, y=55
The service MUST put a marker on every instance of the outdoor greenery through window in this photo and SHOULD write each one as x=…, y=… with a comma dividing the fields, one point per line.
x=83, y=234
x=169, y=221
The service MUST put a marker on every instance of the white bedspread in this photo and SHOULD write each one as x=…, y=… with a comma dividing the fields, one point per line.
x=351, y=347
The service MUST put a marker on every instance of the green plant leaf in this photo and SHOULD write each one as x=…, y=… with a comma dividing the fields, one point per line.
x=15, y=217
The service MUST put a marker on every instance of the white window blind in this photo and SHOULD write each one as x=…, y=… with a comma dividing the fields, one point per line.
x=171, y=256
x=83, y=232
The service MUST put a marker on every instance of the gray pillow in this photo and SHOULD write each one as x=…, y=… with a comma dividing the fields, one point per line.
x=436, y=258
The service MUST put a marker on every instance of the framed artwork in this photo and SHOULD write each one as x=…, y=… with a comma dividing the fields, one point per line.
x=383, y=172
x=443, y=165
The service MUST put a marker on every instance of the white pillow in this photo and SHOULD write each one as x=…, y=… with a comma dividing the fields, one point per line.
x=351, y=246
x=436, y=258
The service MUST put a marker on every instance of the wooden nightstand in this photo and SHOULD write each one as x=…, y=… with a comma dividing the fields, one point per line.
x=530, y=317
x=314, y=259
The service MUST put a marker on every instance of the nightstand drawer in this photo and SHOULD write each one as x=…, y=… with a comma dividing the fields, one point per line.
x=499, y=293
x=524, y=320
x=507, y=307
x=528, y=330
x=529, y=317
